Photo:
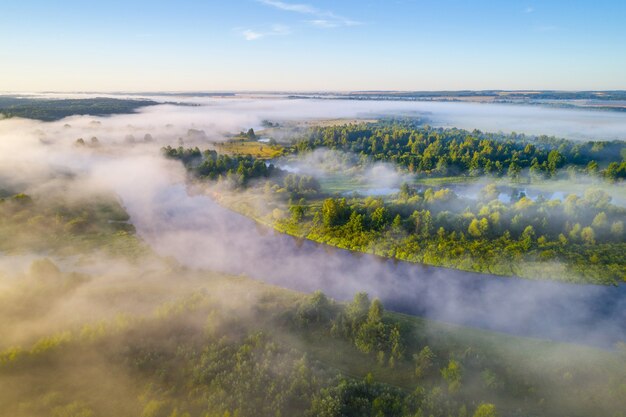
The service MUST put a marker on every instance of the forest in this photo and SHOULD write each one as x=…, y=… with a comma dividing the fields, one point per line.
x=188, y=347
x=442, y=152
x=578, y=238
x=57, y=109
x=96, y=322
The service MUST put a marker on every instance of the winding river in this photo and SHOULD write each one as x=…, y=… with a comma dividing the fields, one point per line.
x=201, y=234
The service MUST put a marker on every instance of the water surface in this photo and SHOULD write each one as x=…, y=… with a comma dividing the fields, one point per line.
x=202, y=234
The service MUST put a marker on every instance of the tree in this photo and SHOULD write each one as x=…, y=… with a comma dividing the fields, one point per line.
x=597, y=198
x=527, y=237
x=355, y=224
x=514, y=171
x=555, y=160
x=588, y=235
x=395, y=344
x=478, y=228
x=427, y=224
x=371, y=334
x=485, y=410
x=574, y=233
x=405, y=190
x=617, y=230
x=333, y=211
x=489, y=192
x=357, y=310
x=317, y=309
x=375, y=312
x=397, y=222
x=423, y=361
x=600, y=221
x=380, y=218
x=297, y=212
x=452, y=375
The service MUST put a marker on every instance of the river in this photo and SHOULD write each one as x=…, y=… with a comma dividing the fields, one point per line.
x=201, y=234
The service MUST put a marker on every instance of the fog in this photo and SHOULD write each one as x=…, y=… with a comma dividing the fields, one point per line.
x=201, y=234
x=43, y=158
x=249, y=109
x=365, y=176
x=193, y=241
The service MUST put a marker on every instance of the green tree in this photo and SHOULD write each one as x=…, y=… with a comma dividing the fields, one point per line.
x=317, y=309
x=333, y=211
x=370, y=336
x=358, y=309
x=617, y=230
x=423, y=361
x=478, y=228
x=485, y=410
x=380, y=218
x=588, y=235
x=452, y=375
x=600, y=221
x=297, y=212
x=396, y=345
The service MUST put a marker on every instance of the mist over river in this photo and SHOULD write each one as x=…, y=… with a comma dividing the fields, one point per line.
x=201, y=234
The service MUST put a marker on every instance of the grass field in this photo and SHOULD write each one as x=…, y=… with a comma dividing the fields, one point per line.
x=250, y=147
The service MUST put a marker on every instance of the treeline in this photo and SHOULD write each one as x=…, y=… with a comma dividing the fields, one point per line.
x=450, y=151
x=580, y=237
x=50, y=110
x=239, y=170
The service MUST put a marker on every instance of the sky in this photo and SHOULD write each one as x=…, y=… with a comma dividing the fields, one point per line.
x=311, y=45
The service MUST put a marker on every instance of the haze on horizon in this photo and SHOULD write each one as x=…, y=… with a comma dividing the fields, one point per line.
x=312, y=45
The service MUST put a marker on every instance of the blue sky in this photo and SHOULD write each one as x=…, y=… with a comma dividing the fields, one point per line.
x=138, y=45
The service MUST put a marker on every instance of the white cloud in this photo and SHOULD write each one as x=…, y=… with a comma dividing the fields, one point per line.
x=324, y=18
x=252, y=35
x=290, y=7
x=529, y=9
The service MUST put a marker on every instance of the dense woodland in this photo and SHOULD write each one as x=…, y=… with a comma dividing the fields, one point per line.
x=441, y=152
x=238, y=170
x=192, y=349
x=50, y=110
x=580, y=238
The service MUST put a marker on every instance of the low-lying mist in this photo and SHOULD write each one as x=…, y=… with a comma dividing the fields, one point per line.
x=149, y=333
x=248, y=110
x=125, y=159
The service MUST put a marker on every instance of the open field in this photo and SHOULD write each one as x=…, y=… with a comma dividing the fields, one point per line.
x=254, y=148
